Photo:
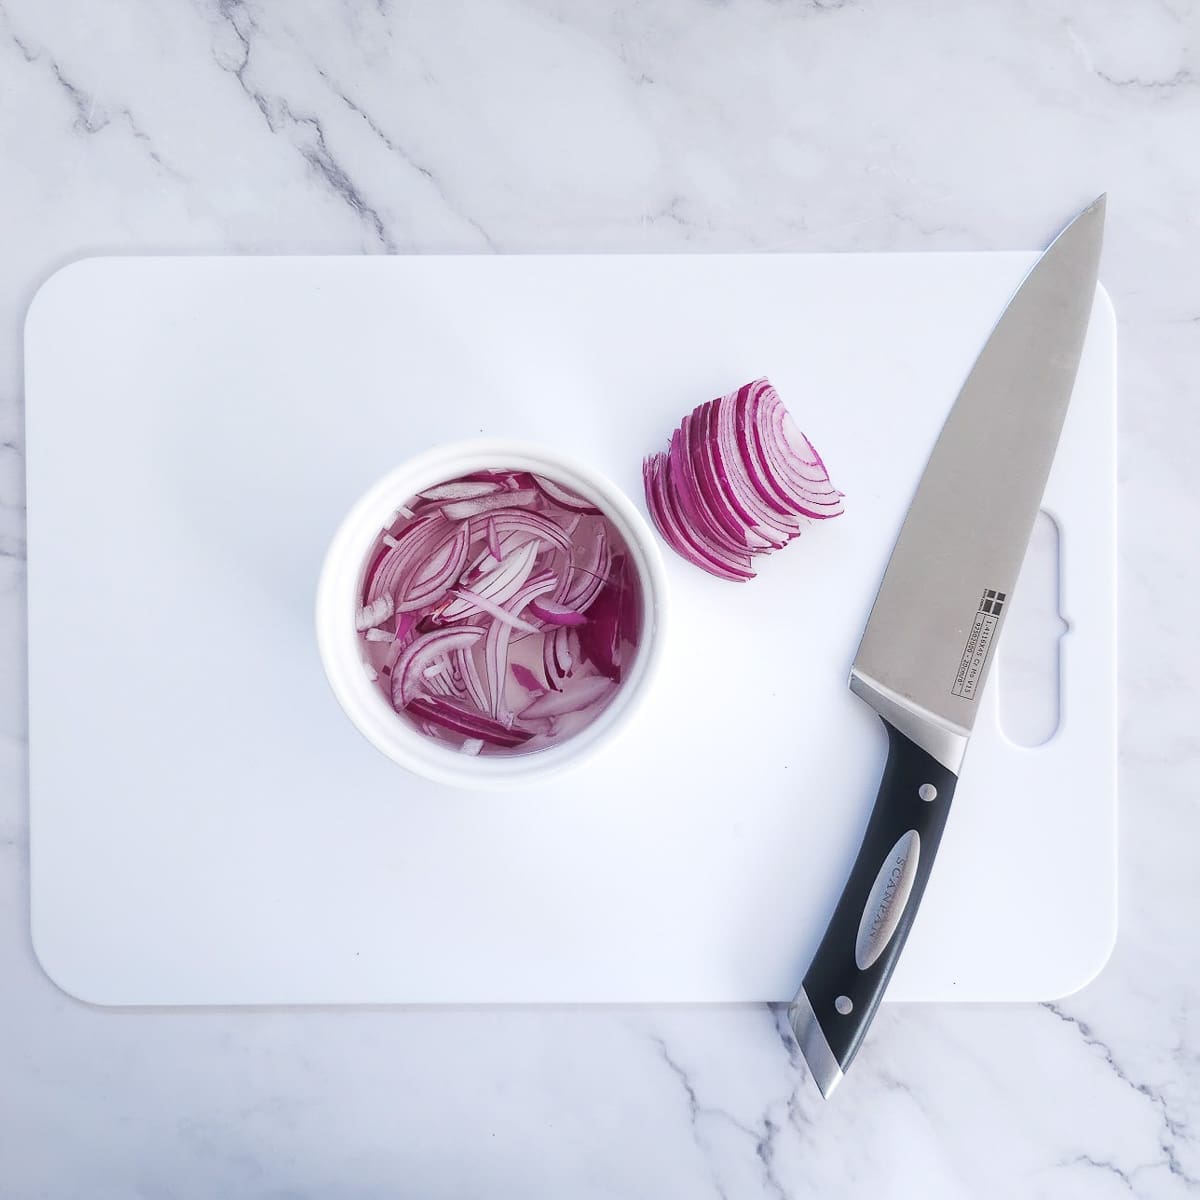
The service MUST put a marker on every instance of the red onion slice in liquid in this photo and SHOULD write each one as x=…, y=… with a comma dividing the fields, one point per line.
x=485, y=582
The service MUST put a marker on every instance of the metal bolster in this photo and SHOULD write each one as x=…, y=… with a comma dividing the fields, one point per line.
x=822, y=1064
x=939, y=738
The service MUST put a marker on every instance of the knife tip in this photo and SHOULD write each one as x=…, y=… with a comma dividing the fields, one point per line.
x=1087, y=223
x=1095, y=212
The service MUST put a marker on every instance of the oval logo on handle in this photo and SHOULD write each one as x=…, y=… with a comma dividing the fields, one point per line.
x=886, y=903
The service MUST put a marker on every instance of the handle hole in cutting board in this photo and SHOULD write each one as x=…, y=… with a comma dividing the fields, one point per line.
x=1028, y=674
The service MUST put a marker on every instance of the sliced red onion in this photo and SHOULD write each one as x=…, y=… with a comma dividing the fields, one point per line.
x=531, y=525
x=495, y=549
x=494, y=561
x=447, y=552
x=606, y=631
x=495, y=650
x=557, y=704
x=414, y=543
x=564, y=497
x=722, y=433
x=456, y=685
x=556, y=614
x=374, y=613
x=428, y=556
x=745, y=411
x=738, y=479
x=478, y=603
x=514, y=529
x=456, y=717
x=439, y=685
x=774, y=462
x=587, y=578
x=654, y=484
x=526, y=678
x=734, y=563
x=745, y=532
x=422, y=652
x=498, y=585
x=678, y=536
x=461, y=489
x=559, y=656
x=690, y=502
x=471, y=681
x=406, y=624
x=495, y=664
x=803, y=481
x=430, y=582
x=461, y=510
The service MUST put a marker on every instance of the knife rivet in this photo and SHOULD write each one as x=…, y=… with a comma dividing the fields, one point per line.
x=927, y=792
x=844, y=1005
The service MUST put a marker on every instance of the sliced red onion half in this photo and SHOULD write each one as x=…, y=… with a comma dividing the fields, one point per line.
x=738, y=479
x=673, y=527
x=491, y=592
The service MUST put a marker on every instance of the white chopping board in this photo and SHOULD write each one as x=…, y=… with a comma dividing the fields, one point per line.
x=207, y=827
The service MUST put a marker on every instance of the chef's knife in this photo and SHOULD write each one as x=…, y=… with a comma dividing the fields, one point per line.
x=932, y=633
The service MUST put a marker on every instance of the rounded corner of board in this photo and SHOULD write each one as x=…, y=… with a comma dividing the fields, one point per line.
x=1089, y=971
x=64, y=276
x=61, y=976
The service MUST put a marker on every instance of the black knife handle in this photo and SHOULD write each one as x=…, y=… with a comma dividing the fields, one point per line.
x=870, y=924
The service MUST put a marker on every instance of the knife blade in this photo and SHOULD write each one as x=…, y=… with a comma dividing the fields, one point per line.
x=931, y=636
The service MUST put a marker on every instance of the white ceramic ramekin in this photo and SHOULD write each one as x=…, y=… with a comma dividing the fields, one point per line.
x=338, y=601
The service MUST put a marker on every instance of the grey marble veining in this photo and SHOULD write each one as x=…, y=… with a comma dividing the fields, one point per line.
x=520, y=125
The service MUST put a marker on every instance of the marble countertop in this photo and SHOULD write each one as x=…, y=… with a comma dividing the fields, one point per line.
x=338, y=126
